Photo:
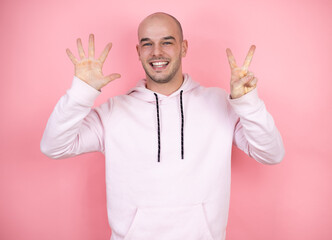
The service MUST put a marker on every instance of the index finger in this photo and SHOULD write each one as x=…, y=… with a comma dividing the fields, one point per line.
x=249, y=56
x=105, y=52
x=231, y=58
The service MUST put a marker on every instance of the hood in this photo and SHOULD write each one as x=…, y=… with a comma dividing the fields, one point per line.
x=141, y=92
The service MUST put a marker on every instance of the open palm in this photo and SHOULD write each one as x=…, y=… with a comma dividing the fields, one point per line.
x=88, y=68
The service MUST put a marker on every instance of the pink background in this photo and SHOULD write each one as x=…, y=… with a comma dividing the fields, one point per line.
x=42, y=198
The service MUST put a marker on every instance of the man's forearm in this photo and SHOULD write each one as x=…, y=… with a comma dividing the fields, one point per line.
x=258, y=135
x=65, y=129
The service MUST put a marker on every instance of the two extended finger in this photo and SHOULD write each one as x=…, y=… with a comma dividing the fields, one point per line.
x=247, y=60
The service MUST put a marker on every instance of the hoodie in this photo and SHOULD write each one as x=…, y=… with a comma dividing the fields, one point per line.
x=167, y=158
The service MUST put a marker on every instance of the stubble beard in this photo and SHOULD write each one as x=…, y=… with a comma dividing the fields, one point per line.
x=167, y=78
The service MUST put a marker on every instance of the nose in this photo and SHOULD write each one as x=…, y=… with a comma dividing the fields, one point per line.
x=157, y=51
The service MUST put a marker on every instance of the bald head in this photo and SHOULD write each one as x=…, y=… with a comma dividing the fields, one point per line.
x=160, y=49
x=160, y=17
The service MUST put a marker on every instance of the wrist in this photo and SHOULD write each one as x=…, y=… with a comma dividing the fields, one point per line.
x=90, y=83
x=83, y=92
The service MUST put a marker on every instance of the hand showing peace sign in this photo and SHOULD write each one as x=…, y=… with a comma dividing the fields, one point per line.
x=88, y=68
x=242, y=81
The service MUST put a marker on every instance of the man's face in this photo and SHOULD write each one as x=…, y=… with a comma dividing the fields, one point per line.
x=160, y=49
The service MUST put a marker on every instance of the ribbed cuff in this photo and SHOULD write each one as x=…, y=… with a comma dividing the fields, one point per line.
x=82, y=92
x=248, y=103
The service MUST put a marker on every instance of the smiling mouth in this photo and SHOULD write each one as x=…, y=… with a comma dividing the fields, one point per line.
x=159, y=65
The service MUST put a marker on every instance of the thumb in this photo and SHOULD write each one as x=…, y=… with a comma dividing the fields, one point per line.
x=111, y=77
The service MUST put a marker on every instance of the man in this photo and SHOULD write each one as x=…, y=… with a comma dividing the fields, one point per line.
x=167, y=143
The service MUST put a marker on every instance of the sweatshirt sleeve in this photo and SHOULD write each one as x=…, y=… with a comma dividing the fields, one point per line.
x=255, y=131
x=73, y=127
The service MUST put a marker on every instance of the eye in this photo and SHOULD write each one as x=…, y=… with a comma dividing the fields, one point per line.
x=167, y=43
x=146, y=44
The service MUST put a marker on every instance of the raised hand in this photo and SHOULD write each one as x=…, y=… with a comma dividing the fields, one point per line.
x=88, y=68
x=242, y=81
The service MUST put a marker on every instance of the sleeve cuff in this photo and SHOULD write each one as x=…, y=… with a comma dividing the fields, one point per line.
x=82, y=92
x=248, y=103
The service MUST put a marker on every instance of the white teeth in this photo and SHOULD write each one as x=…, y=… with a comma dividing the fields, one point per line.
x=159, y=63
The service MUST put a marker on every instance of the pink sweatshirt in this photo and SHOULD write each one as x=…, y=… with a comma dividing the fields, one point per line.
x=168, y=162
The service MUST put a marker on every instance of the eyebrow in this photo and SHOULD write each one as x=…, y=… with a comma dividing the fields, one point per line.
x=164, y=38
x=169, y=38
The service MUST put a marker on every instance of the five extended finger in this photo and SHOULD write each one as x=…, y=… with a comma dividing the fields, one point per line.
x=231, y=58
x=91, y=46
x=249, y=56
x=105, y=52
x=71, y=56
x=80, y=48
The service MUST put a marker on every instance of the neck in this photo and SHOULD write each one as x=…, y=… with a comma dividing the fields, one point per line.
x=165, y=88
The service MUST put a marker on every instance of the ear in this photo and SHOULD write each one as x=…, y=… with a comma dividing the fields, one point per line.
x=138, y=52
x=184, y=48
